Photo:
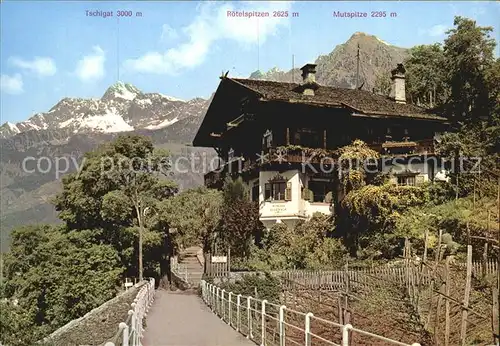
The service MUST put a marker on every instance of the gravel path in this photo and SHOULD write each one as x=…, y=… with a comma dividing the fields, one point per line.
x=182, y=319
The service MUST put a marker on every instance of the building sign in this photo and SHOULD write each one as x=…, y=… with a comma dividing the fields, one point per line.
x=219, y=259
x=277, y=208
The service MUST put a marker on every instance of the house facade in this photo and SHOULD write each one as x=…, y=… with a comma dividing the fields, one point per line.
x=281, y=139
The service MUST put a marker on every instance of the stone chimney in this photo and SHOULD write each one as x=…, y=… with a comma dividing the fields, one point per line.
x=309, y=84
x=398, y=84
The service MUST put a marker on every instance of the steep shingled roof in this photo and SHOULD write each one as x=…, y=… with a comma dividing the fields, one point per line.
x=359, y=100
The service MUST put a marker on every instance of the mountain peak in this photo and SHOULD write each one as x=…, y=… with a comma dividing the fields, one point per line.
x=121, y=90
x=358, y=35
x=8, y=129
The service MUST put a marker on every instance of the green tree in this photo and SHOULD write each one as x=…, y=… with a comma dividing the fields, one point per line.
x=354, y=159
x=426, y=75
x=119, y=186
x=56, y=276
x=195, y=214
x=370, y=212
x=474, y=78
x=309, y=245
x=468, y=51
x=15, y=327
x=240, y=227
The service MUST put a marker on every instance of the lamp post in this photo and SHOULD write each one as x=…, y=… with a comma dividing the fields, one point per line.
x=141, y=231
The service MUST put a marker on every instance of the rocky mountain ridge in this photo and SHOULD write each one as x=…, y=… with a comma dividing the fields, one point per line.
x=338, y=68
x=122, y=108
x=74, y=126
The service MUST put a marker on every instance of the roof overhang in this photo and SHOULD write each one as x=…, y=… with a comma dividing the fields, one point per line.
x=303, y=102
x=433, y=118
x=218, y=117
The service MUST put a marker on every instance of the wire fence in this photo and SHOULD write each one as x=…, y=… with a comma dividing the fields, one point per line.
x=271, y=324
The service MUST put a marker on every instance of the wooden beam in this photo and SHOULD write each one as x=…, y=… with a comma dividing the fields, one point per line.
x=236, y=122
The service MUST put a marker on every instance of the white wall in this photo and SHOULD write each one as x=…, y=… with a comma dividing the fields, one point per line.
x=280, y=208
x=288, y=212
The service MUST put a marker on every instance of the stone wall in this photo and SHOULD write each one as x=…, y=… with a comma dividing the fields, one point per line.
x=179, y=282
x=98, y=326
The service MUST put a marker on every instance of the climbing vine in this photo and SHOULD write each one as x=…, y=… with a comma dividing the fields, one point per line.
x=317, y=152
x=370, y=213
x=352, y=160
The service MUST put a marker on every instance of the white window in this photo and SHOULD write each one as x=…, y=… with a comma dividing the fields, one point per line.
x=278, y=191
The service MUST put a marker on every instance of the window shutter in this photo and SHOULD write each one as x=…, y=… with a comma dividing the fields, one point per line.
x=288, y=192
x=419, y=180
x=267, y=189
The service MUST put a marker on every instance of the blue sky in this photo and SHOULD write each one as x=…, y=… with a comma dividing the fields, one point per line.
x=51, y=50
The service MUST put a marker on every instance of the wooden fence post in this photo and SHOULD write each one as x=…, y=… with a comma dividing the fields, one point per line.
x=447, y=303
x=228, y=262
x=426, y=237
x=495, y=321
x=463, y=328
x=341, y=312
x=484, y=265
x=407, y=266
x=346, y=287
x=438, y=313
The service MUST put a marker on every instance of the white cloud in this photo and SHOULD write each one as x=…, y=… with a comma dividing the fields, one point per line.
x=436, y=30
x=39, y=65
x=211, y=25
x=91, y=67
x=168, y=33
x=11, y=84
x=476, y=12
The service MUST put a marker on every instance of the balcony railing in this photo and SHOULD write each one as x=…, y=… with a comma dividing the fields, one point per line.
x=298, y=155
x=420, y=147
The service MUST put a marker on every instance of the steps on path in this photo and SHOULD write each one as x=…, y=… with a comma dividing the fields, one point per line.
x=189, y=259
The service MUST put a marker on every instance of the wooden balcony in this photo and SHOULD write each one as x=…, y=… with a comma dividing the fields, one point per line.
x=404, y=148
x=299, y=155
x=280, y=156
x=272, y=157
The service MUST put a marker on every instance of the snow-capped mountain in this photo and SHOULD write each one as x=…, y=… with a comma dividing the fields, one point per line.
x=122, y=108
